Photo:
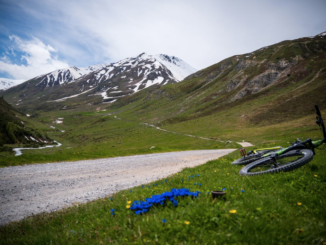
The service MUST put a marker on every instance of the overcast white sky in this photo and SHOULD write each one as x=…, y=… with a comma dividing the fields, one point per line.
x=40, y=36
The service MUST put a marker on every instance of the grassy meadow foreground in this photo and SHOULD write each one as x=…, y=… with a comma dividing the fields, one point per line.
x=281, y=208
x=285, y=208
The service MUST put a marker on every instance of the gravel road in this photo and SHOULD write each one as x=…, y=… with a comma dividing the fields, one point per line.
x=37, y=188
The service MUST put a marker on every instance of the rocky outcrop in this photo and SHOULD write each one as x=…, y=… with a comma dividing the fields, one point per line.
x=243, y=64
x=236, y=81
x=274, y=72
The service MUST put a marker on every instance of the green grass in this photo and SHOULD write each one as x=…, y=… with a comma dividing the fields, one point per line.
x=89, y=135
x=284, y=208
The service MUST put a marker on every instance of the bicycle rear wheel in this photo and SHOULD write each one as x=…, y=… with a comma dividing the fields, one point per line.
x=246, y=160
x=284, y=163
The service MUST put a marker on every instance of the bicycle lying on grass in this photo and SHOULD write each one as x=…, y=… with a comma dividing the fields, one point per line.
x=254, y=155
x=287, y=159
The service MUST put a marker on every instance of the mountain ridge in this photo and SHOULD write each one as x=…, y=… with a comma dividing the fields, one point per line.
x=110, y=81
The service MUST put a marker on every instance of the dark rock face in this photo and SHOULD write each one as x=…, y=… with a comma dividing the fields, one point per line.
x=232, y=84
x=273, y=72
x=243, y=64
x=263, y=80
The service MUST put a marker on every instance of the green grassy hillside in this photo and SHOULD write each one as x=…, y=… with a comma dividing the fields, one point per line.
x=267, y=86
x=17, y=128
x=89, y=135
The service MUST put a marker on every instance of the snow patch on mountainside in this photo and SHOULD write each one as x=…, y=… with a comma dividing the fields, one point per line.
x=6, y=83
x=72, y=96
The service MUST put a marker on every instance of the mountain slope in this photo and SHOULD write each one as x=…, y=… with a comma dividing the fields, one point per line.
x=267, y=86
x=107, y=81
x=16, y=128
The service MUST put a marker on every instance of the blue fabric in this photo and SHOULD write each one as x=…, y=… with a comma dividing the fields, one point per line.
x=140, y=207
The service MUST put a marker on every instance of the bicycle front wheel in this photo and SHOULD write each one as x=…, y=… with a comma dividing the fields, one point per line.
x=284, y=163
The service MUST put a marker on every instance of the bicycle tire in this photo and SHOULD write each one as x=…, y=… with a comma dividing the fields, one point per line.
x=251, y=158
x=286, y=162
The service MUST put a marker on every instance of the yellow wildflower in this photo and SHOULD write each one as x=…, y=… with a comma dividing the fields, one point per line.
x=129, y=202
x=233, y=211
x=299, y=203
x=316, y=175
x=187, y=222
x=299, y=230
x=227, y=173
x=128, y=206
x=214, y=171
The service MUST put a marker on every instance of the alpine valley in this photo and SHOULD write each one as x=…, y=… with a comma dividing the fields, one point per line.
x=158, y=103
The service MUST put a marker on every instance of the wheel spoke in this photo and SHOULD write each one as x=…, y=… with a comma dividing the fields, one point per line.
x=270, y=164
x=284, y=163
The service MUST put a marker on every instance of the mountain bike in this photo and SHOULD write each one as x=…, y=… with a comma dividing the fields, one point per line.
x=254, y=155
x=287, y=159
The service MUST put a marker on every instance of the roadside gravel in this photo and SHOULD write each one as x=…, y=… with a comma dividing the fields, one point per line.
x=37, y=188
x=245, y=144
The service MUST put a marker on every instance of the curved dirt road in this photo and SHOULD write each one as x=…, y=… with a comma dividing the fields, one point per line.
x=32, y=189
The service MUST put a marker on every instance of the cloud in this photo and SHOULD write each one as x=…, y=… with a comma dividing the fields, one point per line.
x=199, y=32
x=36, y=58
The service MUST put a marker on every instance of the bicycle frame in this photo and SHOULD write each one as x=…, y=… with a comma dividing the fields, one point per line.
x=307, y=144
x=268, y=148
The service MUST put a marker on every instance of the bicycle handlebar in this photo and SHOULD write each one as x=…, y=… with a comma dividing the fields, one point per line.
x=320, y=121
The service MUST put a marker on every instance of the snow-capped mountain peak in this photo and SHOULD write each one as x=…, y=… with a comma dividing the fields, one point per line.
x=111, y=81
x=6, y=83
x=67, y=75
x=177, y=66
